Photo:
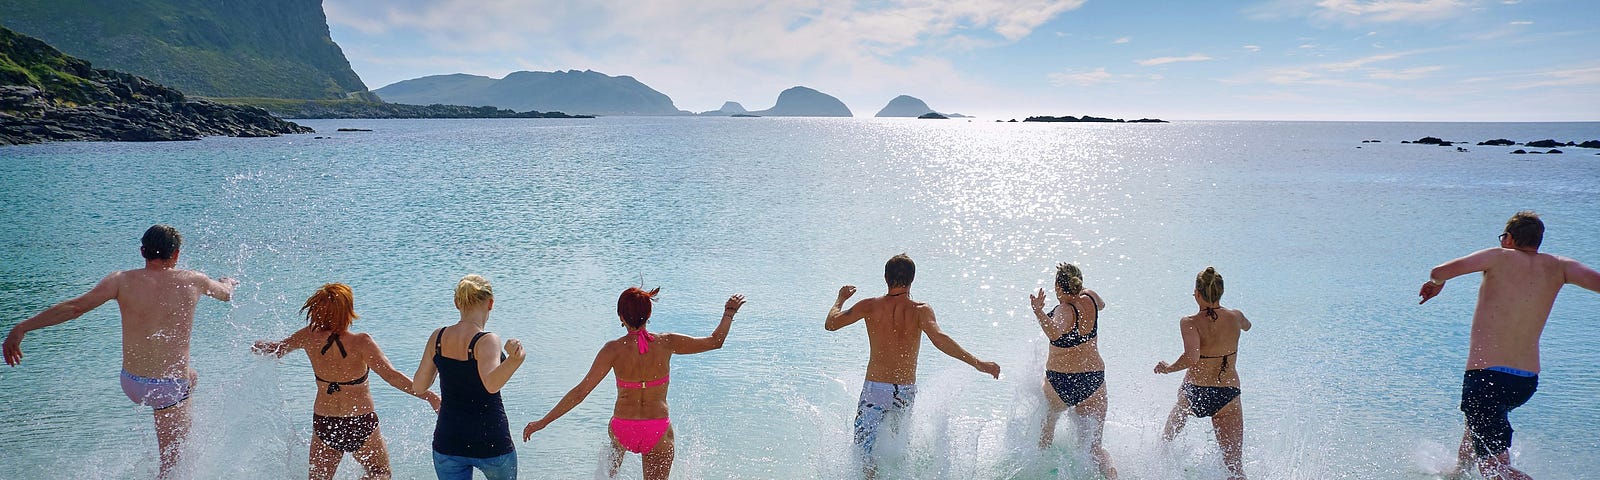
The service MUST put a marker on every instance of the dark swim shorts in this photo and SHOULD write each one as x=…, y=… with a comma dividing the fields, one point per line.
x=1487, y=398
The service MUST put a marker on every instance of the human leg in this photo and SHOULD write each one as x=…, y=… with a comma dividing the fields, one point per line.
x=1091, y=425
x=324, y=459
x=172, y=427
x=1052, y=414
x=658, y=461
x=1487, y=398
x=1176, y=419
x=374, y=457
x=503, y=467
x=1228, y=423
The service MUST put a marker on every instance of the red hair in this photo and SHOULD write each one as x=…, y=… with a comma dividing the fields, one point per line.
x=331, y=308
x=634, y=305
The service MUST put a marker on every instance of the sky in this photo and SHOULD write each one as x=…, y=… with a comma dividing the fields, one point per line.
x=1378, y=60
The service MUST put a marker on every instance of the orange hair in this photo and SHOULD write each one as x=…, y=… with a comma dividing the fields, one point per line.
x=331, y=308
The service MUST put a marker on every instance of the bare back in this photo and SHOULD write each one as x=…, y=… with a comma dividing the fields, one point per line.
x=157, y=308
x=894, y=330
x=342, y=361
x=1084, y=357
x=1218, y=350
x=1519, y=288
x=632, y=367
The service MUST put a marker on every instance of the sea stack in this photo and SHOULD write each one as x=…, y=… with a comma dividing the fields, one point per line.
x=805, y=102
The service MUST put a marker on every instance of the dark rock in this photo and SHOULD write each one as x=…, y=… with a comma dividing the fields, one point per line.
x=1431, y=141
x=1497, y=142
x=1553, y=151
x=1520, y=151
x=744, y=115
x=355, y=130
x=1589, y=144
x=1012, y=121
x=1088, y=119
x=1405, y=141
x=933, y=116
x=1459, y=149
x=1570, y=144
x=1446, y=144
x=1545, y=144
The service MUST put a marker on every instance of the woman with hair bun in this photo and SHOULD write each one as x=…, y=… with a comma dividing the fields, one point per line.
x=472, y=431
x=641, y=361
x=1211, y=386
x=343, y=419
x=1075, y=375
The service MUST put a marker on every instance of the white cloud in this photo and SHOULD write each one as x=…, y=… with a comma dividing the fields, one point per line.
x=1084, y=79
x=1166, y=60
x=1252, y=48
x=1123, y=40
x=1522, y=22
x=1412, y=73
x=1352, y=12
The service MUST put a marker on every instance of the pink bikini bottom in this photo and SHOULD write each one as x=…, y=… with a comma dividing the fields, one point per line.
x=639, y=436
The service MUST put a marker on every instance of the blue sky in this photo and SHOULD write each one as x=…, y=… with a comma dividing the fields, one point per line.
x=1431, y=60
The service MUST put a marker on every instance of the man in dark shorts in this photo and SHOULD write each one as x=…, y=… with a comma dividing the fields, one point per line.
x=1519, y=287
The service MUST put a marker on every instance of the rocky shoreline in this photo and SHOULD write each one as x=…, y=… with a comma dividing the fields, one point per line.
x=1548, y=143
x=49, y=96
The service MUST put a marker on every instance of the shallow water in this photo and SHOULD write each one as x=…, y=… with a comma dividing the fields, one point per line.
x=1322, y=244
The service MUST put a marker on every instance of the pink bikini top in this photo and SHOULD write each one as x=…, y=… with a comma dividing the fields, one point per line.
x=644, y=339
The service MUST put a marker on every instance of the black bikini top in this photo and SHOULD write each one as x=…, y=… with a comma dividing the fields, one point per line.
x=1212, y=312
x=1072, y=338
x=333, y=340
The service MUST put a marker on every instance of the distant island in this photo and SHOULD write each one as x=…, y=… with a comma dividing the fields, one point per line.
x=585, y=92
x=933, y=116
x=805, y=102
x=728, y=109
x=1089, y=119
x=909, y=106
x=46, y=95
x=348, y=109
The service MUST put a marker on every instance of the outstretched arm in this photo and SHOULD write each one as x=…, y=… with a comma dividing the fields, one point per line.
x=102, y=292
x=1046, y=323
x=684, y=344
x=295, y=341
x=1476, y=262
x=1581, y=275
x=949, y=346
x=1191, y=349
x=837, y=318
x=597, y=372
x=379, y=363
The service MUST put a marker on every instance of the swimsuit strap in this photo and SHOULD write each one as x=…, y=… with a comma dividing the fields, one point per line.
x=333, y=339
x=1096, y=302
x=644, y=339
x=474, y=343
x=438, y=342
x=1210, y=312
x=334, y=386
x=1076, y=317
x=1224, y=362
x=652, y=383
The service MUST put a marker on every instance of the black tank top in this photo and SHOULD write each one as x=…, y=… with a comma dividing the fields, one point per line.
x=472, y=421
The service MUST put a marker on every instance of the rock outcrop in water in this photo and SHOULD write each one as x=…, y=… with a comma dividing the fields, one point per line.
x=209, y=48
x=728, y=109
x=587, y=92
x=48, y=96
x=805, y=102
x=1548, y=143
x=1090, y=119
x=1497, y=142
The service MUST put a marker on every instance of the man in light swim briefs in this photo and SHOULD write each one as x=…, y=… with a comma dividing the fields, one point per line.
x=895, y=325
x=1519, y=288
x=157, y=304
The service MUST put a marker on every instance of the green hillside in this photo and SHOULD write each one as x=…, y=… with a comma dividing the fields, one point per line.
x=215, y=48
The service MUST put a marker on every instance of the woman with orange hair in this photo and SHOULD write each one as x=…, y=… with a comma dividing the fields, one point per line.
x=342, y=419
x=641, y=361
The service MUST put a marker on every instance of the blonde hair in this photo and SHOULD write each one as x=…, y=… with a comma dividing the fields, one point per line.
x=1209, y=285
x=1069, y=278
x=472, y=290
x=332, y=307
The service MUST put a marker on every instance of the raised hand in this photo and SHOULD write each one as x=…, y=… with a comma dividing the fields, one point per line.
x=1429, y=290
x=845, y=292
x=734, y=302
x=1037, y=300
x=264, y=347
x=514, y=350
x=1162, y=367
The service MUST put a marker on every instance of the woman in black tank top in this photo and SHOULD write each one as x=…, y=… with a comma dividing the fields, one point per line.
x=472, y=431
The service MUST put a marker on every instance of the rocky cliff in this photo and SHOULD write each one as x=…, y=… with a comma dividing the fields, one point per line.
x=48, y=96
x=209, y=48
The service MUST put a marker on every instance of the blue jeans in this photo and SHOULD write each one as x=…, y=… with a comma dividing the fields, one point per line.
x=451, y=467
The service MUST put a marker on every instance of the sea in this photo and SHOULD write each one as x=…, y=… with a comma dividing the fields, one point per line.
x=1323, y=241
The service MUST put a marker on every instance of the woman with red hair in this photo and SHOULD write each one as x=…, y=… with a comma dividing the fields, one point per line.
x=343, y=419
x=641, y=361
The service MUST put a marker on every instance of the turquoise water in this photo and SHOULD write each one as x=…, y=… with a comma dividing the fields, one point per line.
x=1322, y=244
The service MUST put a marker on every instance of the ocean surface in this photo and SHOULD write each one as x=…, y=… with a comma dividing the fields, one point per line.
x=1323, y=242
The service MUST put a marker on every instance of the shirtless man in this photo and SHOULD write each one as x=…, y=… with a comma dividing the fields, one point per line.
x=157, y=304
x=1519, y=287
x=895, y=325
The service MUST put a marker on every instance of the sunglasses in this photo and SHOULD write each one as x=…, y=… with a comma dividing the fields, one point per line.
x=1504, y=235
